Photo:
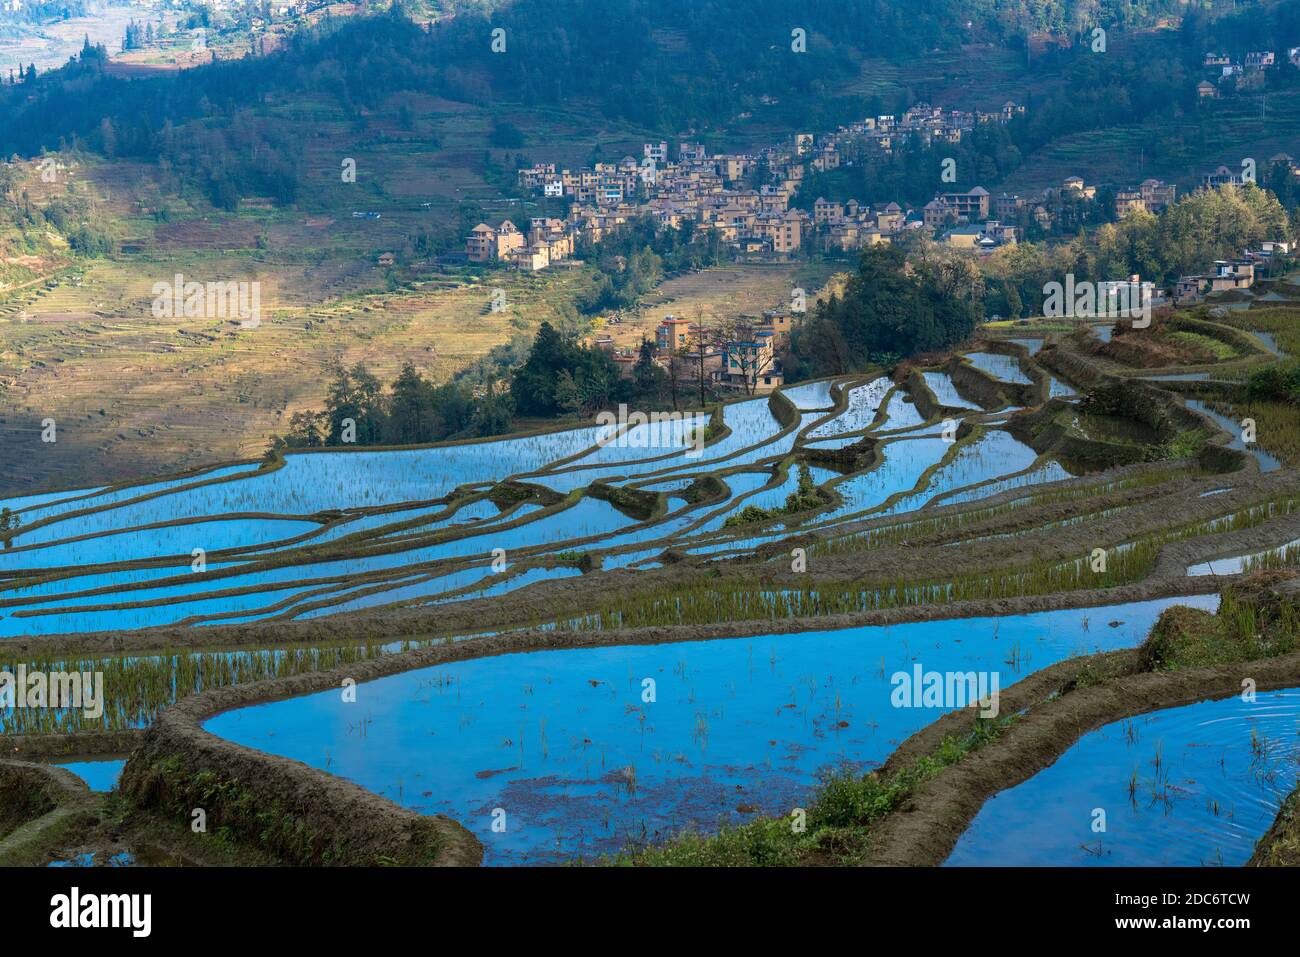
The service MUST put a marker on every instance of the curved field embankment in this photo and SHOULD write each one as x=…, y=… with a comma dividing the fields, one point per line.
x=1057, y=706
x=914, y=808
x=326, y=820
x=298, y=814
x=920, y=542
x=1059, y=711
x=305, y=816
x=177, y=750
x=999, y=539
x=40, y=806
x=1280, y=845
x=991, y=394
x=73, y=744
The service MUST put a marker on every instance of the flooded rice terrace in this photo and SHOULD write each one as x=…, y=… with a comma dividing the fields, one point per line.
x=1185, y=787
x=1267, y=462
x=1005, y=368
x=100, y=774
x=345, y=530
x=582, y=753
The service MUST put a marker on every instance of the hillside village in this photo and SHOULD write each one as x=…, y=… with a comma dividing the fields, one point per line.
x=1228, y=75
x=745, y=199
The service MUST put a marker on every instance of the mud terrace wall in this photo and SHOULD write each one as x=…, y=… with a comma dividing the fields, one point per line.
x=1045, y=428
x=80, y=743
x=1177, y=557
x=976, y=384
x=1280, y=845
x=1068, y=365
x=27, y=792
x=1045, y=431
x=634, y=503
x=299, y=815
x=928, y=826
x=926, y=404
x=783, y=410
x=40, y=806
x=862, y=454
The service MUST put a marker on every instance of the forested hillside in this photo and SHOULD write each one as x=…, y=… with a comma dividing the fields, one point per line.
x=678, y=67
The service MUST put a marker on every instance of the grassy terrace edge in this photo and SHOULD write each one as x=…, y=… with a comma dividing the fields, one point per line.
x=943, y=773
x=914, y=808
x=306, y=816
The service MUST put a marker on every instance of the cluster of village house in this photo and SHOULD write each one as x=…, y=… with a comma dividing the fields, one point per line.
x=1228, y=274
x=760, y=220
x=1229, y=75
x=712, y=191
x=278, y=8
x=746, y=358
x=749, y=358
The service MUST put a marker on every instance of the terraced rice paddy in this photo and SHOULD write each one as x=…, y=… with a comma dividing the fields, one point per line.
x=1005, y=368
x=944, y=390
x=993, y=454
x=99, y=775
x=565, y=743
x=863, y=404
x=1282, y=555
x=1033, y=345
x=1269, y=340
x=808, y=517
x=324, y=533
x=1185, y=787
x=340, y=531
x=1267, y=462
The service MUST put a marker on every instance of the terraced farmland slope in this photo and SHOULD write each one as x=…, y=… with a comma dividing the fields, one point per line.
x=1033, y=484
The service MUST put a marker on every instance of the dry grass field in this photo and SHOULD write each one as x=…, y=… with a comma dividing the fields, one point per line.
x=722, y=293
x=135, y=395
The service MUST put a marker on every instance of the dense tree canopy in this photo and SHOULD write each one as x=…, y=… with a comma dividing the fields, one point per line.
x=889, y=311
x=677, y=66
x=412, y=412
x=561, y=376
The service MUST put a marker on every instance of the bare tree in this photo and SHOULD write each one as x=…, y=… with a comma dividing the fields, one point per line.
x=675, y=366
x=700, y=348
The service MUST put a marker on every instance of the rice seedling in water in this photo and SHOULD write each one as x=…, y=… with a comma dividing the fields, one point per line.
x=138, y=687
